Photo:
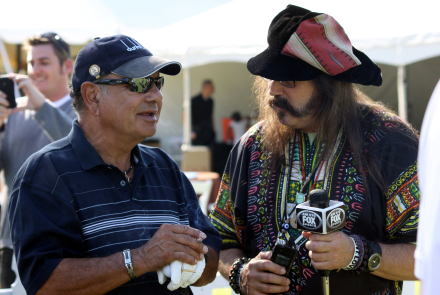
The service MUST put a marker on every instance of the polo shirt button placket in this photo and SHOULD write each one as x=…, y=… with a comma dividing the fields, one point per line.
x=122, y=183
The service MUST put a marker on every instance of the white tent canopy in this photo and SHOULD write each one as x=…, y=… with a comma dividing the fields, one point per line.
x=76, y=21
x=388, y=31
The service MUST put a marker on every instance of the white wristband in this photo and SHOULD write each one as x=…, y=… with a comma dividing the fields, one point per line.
x=355, y=258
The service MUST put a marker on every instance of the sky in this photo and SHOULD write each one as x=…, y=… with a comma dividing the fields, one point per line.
x=165, y=13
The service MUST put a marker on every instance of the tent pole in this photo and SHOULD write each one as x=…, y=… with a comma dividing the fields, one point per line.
x=186, y=109
x=18, y=58
x=402, y=100
x=7, y=64
x=5, y=57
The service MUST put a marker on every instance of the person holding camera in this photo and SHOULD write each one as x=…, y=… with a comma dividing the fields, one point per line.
x=42, y=116
x=318, y=131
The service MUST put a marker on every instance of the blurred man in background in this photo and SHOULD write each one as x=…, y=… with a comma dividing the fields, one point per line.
x=202, y=108
x=42, y=116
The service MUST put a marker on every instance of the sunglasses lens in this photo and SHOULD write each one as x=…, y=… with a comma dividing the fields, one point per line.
x=289, y=84
x=159, y=82
x=143, y=85
x=140, y=85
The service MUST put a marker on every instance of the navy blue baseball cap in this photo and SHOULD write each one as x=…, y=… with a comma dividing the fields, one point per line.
x=121, y=55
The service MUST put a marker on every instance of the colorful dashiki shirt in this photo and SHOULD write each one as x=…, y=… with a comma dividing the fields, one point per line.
x=249, y=209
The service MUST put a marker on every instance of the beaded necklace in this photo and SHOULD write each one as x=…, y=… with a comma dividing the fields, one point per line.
x=306, y=165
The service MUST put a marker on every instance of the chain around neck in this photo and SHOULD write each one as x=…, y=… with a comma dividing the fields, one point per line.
x=129, y=179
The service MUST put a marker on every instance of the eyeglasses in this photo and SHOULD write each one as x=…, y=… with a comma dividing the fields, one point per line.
x=141, y=85
x=56, y=40
x=288, y=84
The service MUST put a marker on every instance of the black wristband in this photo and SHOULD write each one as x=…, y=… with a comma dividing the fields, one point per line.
x=371, y=259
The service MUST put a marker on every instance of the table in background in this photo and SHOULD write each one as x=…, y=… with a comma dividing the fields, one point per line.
x=203, y=175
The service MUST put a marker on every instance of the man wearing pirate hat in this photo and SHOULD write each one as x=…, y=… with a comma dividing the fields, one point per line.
x=318, y=131
x=96, y=212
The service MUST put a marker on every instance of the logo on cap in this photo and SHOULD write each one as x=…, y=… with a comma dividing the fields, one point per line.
x=94, y=71
x=136, y=45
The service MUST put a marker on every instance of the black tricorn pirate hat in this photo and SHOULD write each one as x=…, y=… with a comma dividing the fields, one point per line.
x=303, y=44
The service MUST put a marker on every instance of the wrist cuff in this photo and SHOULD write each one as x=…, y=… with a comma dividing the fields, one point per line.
x=128, y=263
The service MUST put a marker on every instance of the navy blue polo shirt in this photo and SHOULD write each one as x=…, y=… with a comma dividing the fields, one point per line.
x=67, y=203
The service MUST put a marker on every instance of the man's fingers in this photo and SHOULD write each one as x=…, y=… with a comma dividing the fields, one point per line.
x=306, y=234
x=322, y=238
x=186, y=249
x=267, y=283
x=264, y=266
x=3, y=101
x=258, y=277
x=318, y=246
x=191, y=242
x=181, y=238
x=173, y=246
x=271, y=278
x=322, y=265
x=183, y=229
x=319, y=257
x=16, y=77
x=185, y=257
x=265, y=255
x=265, y=288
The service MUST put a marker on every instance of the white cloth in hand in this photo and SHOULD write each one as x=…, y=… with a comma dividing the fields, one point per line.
x=181, y=274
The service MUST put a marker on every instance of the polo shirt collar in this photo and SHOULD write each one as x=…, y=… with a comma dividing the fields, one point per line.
x=86, y=153
x=89, y=157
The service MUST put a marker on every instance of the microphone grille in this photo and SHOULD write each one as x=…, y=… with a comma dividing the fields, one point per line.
x=318, y=196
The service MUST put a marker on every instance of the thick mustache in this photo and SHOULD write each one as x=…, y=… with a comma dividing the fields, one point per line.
x=279, y=102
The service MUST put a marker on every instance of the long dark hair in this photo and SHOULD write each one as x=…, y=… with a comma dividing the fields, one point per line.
x=341, y=106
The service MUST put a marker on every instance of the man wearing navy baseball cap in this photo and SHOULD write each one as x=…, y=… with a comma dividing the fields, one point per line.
x=97, y=213
x=318, y=131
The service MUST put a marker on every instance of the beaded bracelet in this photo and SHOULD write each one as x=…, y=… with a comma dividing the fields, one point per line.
x=234, y=272
x=360, y=245
x=363, y=267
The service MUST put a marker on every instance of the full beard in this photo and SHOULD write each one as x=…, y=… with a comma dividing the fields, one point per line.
x=283, y=103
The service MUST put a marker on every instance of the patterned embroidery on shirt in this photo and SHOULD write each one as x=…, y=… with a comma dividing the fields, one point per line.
x=403, y=199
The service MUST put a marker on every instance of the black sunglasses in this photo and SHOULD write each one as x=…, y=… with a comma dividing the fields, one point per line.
x=56, y=40
x=288, y=84
x=141, y=85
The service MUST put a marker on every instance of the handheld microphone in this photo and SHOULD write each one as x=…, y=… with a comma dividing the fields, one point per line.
x=319, y=214
x=322, y=216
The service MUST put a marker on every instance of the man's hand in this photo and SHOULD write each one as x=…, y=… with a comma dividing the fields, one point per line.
x=4, y=111
x=262, y=276
x=330, y=251
x=170, y=243
x=35, y=99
